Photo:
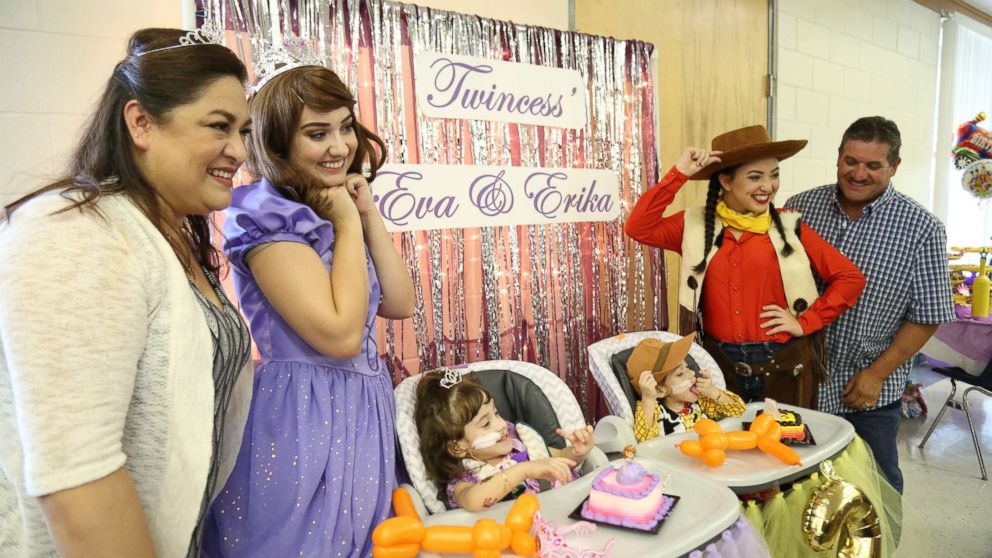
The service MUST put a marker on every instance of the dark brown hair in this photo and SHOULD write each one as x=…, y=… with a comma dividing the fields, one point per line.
x=874, y=129
x=441, y=416
x=103, y=162
x=276, y=109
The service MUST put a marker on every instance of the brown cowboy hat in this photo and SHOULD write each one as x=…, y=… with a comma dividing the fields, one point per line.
x=660, y=357
x=747, y=144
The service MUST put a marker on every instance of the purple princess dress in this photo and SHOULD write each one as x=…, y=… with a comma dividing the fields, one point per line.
x=316, y=468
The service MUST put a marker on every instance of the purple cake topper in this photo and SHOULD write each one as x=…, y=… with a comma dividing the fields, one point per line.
x=630, y=474
x=641, y=486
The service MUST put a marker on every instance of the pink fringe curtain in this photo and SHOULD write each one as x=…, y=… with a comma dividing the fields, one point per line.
x=538, y=293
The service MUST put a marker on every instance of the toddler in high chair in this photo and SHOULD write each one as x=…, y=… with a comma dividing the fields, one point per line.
x=478, y=456
x=672, y=396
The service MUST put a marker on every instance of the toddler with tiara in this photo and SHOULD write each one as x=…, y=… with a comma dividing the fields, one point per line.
x=478, y=456
x=673, y=396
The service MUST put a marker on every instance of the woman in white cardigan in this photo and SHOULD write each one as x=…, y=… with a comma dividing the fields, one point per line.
x=121, y=385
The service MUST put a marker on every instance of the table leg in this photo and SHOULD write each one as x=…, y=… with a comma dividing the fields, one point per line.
x=943, y=409
x=971, y=426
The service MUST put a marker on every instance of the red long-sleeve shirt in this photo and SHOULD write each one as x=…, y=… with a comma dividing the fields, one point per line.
x=744, y=273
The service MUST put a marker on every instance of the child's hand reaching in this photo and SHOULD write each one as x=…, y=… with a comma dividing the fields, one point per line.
x=705, y=387
x=553, y=469
x=582, y=441
x=477, y=496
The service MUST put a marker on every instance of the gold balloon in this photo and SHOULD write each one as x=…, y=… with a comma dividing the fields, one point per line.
x=839, y=512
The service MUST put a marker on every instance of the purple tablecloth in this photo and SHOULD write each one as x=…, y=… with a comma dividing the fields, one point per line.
x=966, y=343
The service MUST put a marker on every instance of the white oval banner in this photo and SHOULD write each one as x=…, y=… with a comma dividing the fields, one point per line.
x=454, y=86
x=423, y=197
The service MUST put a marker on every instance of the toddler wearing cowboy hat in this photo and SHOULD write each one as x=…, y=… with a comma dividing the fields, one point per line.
x=673, y=396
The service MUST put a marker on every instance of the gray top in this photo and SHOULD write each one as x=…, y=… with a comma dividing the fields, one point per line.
x=232, y=346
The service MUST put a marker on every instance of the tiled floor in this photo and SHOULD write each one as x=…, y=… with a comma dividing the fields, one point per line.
x=944, y=487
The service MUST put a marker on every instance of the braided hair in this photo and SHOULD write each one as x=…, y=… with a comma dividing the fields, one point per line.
x=713, y=193
x=777, y=221
x=712, y=197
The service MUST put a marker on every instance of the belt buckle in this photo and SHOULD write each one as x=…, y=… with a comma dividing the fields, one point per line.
x=743, y=369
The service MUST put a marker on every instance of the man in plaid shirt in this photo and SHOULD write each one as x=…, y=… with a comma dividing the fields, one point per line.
x=901, y=249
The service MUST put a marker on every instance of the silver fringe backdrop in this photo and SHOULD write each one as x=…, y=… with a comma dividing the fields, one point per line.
x=538, y=293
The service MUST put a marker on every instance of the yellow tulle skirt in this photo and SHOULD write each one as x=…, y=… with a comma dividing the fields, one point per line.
x=780, y=519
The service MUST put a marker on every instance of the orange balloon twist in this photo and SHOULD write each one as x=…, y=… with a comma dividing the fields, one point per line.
x=742, y=440
x=712, y=444
x=404, y=536
x=403, y=504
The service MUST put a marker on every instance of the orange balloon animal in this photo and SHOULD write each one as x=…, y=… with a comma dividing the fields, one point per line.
x=712, y=444
x=404, y=536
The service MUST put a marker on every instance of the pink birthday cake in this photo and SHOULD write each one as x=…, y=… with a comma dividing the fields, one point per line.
x=628, y=496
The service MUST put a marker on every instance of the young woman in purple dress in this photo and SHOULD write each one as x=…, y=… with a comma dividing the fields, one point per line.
x=313, y=267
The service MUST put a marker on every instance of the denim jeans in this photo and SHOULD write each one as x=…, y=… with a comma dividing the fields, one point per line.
x=750, y=388
x=879, y=429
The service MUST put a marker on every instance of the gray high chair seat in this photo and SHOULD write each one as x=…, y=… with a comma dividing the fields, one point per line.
x=608, y=364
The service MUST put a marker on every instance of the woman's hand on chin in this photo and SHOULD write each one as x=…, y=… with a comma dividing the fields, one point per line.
x=361, y=194
x=338, y=206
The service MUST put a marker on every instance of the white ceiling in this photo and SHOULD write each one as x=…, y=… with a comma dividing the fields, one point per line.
x=984, y=5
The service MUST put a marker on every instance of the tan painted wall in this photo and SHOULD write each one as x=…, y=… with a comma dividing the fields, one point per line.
x=712, y=67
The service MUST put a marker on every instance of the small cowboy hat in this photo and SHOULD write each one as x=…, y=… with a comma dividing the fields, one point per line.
x=658, y=356
x=747, y=144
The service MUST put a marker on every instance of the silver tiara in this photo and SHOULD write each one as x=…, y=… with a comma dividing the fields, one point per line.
x=207, y=34
x=271, y=60
x=451, y=378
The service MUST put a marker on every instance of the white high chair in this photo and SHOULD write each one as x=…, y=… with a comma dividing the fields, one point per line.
x=617, y=430
x=566, y=408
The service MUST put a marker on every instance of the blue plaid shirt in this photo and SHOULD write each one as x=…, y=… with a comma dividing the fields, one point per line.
x=902, y=250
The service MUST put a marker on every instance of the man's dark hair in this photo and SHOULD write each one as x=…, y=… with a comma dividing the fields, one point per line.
x=874, y=128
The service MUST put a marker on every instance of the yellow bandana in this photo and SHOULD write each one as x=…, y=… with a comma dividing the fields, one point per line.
x=743, y=221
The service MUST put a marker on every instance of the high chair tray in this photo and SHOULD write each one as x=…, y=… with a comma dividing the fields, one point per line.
x=705, y=510
x=746, y=471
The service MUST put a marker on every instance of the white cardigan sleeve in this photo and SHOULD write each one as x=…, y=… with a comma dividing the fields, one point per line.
x=74, y=314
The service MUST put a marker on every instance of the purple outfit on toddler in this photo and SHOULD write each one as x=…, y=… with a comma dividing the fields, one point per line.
x=472, y=470
x=316, y=468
